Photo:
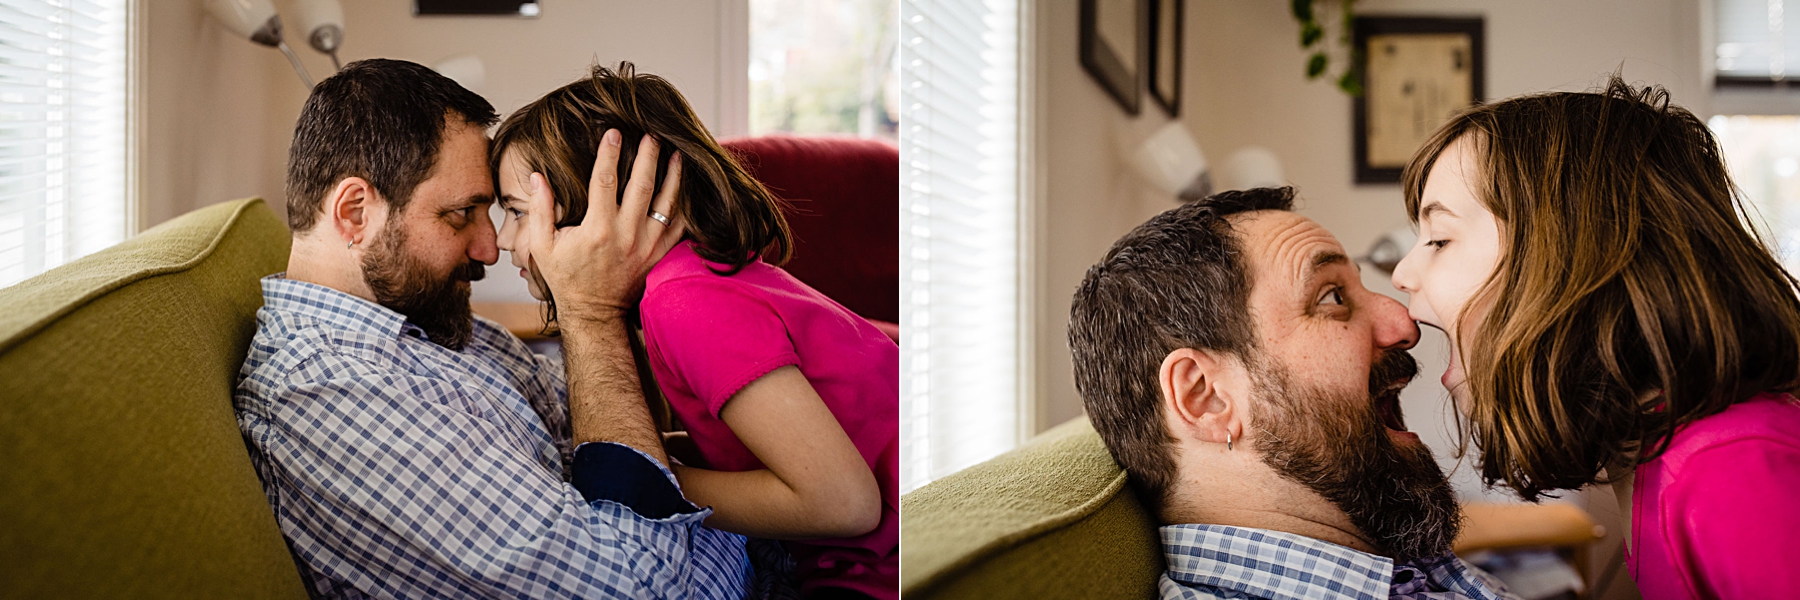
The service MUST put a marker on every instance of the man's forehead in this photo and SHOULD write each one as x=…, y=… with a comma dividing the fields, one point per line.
x=460, y=172
x=1284, y=243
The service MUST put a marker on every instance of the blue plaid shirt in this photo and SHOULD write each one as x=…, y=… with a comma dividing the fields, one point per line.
x=1218, y=561
x=398, y=468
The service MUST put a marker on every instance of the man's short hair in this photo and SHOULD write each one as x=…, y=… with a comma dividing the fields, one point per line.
x=378, y=119
x=1177, y=281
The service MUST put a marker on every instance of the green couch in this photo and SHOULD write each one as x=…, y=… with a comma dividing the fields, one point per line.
x=122, y=472
x=1050, y=519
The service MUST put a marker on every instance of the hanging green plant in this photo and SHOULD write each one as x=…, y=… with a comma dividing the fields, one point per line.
x=1312, y=35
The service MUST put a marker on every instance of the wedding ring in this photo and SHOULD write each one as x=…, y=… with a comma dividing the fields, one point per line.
x=660, y=218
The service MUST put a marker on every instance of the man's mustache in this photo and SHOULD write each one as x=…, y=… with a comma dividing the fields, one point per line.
x=1391, y=368
x=471, y=271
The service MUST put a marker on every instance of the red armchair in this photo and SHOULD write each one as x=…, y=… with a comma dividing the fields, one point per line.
x=843, y=198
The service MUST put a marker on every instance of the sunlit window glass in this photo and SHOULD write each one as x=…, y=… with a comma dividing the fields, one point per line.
x=823, y=67
x=62, y=132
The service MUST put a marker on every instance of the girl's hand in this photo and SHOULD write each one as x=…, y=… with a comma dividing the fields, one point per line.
x=596, y=269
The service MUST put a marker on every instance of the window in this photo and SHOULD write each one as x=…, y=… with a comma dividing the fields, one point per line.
x=823, y=66
x=959, y=235
x=62, y=132
x=1758, y=41
x=1763, y=154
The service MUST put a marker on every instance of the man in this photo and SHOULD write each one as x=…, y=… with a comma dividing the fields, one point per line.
x=410, y=450
x=1248, y=384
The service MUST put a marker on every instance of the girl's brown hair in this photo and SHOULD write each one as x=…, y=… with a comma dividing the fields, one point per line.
x=729, y=214
x=1631, y=297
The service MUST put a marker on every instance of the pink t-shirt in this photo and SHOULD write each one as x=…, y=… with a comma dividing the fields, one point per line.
x=709, y=335
x=1718, y=514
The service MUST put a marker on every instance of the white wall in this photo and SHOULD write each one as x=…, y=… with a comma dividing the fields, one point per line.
x=1085, y=200
x=220, y=110
x=205, y=100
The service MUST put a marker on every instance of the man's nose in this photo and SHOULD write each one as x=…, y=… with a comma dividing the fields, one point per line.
x=1394, y=326
x=485, y=246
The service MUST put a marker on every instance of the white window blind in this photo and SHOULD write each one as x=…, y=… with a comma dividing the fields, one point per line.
x=63, y=95
x=1757, y=39
x=959, y=221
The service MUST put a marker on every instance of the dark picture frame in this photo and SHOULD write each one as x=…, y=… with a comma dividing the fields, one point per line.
x=1164, y=70
x=1119, y=66
x=1424, y=83
x=514, y=8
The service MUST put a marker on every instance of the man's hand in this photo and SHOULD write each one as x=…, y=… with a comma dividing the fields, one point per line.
x=596, y=269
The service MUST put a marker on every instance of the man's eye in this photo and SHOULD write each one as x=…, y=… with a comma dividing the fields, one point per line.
x=1335, y=296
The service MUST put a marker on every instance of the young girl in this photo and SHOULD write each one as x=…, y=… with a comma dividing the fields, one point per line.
x=791, y=400
x=1613, y=320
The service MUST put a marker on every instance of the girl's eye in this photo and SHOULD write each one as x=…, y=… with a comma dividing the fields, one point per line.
x=1437, y=244
x=516, y=213
x=1335, y=296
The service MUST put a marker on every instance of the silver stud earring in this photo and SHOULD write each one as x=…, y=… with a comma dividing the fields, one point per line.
x=1227, y=440
x=350, y=245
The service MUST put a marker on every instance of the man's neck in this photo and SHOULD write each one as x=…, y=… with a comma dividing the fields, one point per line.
x=1235, y=488
x=315, y=262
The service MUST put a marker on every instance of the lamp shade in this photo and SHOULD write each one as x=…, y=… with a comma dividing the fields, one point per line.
x=252, y=19
x=321, y=22
x=1171, y=160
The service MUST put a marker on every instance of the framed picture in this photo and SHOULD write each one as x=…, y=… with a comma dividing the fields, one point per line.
x=1165, y=53
x=517, y=8
x=1416, y=72
x=1115, y=47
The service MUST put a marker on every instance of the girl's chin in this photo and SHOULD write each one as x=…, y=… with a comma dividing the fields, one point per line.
x=1454, y=381
x=531, y=286
x=1453, y=377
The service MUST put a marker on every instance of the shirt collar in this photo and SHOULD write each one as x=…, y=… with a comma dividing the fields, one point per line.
x=331, y=306
x=1271, y=564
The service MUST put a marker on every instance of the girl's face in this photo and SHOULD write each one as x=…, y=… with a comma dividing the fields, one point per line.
x=515, y=181
x=1458, y=249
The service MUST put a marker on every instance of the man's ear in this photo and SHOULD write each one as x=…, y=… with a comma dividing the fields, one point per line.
x=1199, y=402
x=353, y=210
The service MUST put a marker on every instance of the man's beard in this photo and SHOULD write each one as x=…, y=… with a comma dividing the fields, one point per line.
x=1336, y=444
x=406, y=285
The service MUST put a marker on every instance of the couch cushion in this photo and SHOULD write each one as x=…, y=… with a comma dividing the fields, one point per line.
x=125, y=475
x=1050, y=519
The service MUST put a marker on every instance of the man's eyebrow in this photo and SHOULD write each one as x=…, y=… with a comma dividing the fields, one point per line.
x=1326, y=258
x=1318, y=262
x=472, y=200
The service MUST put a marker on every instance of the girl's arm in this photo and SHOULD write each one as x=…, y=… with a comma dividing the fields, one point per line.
x=816, y=485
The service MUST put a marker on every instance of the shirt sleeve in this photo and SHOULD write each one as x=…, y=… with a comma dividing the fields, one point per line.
x=551, y=402
x=618, y=473
x=1732, y=517
x=715, y=336
x=404, y=486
